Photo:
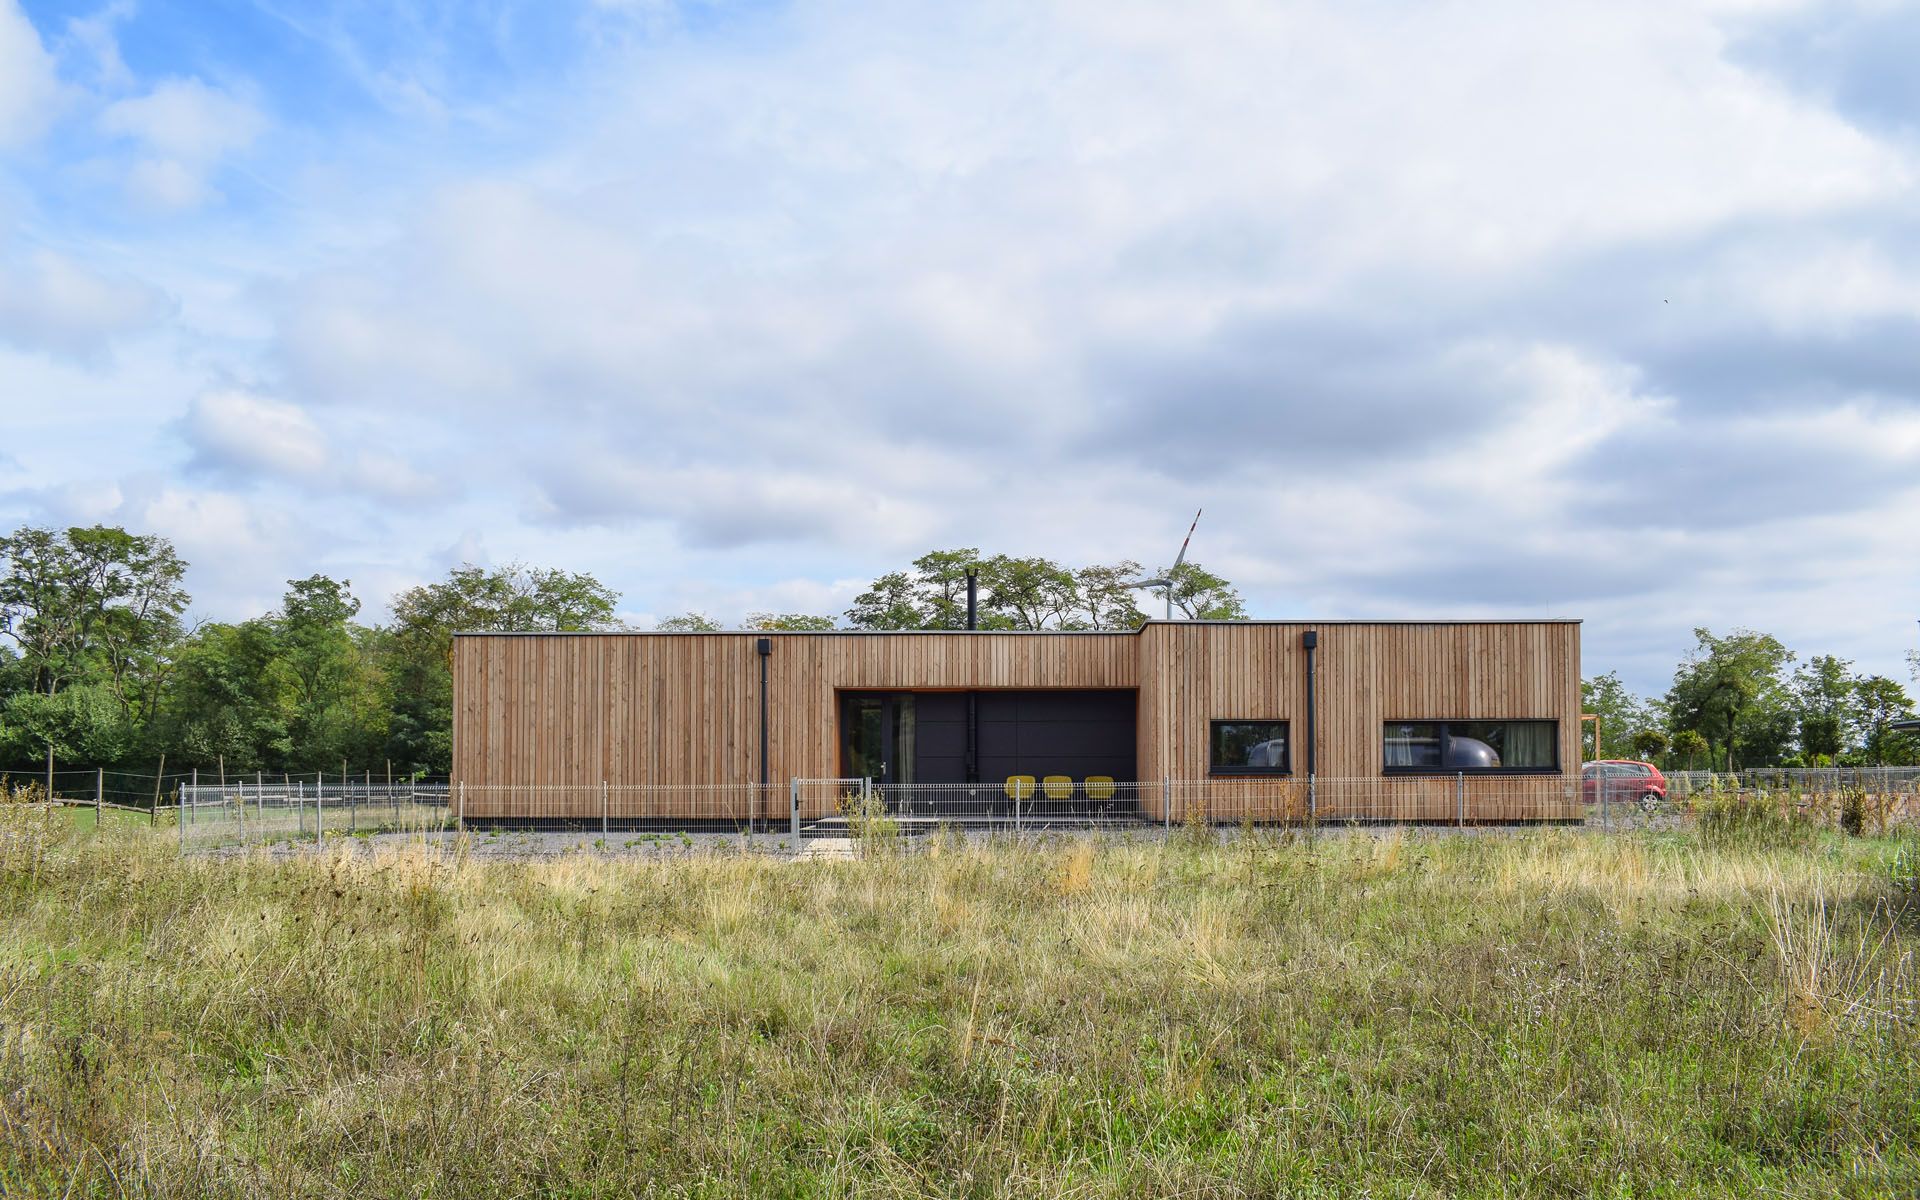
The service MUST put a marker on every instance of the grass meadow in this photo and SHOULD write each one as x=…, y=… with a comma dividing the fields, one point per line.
x=1556, y=1013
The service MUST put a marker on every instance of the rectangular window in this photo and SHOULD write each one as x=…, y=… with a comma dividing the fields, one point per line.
x=1248, y=748
x=1447, y=746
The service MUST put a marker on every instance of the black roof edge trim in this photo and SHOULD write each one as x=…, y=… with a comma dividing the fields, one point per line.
x=985, y=632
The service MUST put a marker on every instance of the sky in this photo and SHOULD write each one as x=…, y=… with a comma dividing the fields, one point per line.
x=1441, y=310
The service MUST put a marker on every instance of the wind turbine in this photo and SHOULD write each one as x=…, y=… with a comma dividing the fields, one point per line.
x=1167, y=583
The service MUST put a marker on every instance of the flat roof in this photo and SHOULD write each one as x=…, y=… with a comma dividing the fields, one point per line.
x=979, y=632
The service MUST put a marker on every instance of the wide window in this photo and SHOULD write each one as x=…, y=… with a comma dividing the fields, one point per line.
x=1249, y=748
x=1413, y=746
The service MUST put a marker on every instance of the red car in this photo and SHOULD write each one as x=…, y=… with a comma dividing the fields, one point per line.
x=1621, y=781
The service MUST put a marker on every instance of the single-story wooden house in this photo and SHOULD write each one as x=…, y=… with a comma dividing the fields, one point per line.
x=1261, y=720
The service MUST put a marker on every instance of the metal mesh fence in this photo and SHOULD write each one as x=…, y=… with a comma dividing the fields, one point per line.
x=105, y=789
x=262, y=809
x=848, y=807
x=1856, y=797
x=1891, y=780
x=267, y=809
x=612, y=807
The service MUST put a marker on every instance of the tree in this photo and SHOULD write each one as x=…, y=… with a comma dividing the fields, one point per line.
x=1730, y=691
x=229, y=702
x=888, y=604
x=940, y=586
x=1027, y=593
x=792, y=621
x=930, y=595
x=689, y=622
x=1881, y=701
x=1204, y=596
x=419, y=651
x=1825, y=700
x=1621, y=713
x=93, y=605
x=1689, y=747
x=82, y=724
x=1105, y=600
x=338, y=714
x=1648, y=744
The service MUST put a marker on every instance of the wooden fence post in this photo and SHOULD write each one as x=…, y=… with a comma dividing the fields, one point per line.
x=153, y=813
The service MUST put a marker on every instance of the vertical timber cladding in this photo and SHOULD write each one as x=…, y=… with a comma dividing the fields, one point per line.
x=542, y=719
x=1368, y=674
x=564, y=712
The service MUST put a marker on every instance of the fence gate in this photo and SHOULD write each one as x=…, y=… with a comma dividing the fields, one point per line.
x=820, y=807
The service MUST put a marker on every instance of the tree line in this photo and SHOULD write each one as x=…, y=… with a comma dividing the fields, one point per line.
x=1014, y=593
x=98, y=665
x=99, y=668
x=1743, y=700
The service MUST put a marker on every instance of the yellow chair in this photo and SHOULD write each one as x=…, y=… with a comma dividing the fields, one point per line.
x=1099, y=787
x=1057, y=787
x=1019, y=787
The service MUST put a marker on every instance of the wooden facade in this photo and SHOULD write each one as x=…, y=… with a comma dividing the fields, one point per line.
x=542, y=720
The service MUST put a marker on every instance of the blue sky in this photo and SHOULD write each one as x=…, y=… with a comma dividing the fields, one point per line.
x=1605, y=310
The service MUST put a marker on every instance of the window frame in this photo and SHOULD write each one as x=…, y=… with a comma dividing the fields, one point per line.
x=1286, y=727
x=1446, y=733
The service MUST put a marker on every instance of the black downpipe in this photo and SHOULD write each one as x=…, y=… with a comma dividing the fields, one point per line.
x=1310, y=640
x=973, y=600
x=765, y=648
x=973, y=737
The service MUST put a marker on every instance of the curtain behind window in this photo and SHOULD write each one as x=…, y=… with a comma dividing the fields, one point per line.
x=1529, y=744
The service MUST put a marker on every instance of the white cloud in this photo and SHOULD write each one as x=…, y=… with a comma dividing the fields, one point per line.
x=50, y=302
x=1439, y=309
x=95, y=35
x=186, y=129
x=248, y=435
x=238, y=428
x=28, y=89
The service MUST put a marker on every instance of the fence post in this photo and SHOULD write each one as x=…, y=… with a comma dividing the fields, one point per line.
x=153, y=810
x=180, y=809
x=793, y=810
x=460, y=817
x=49, y=772
x=1460, y=798
x=99, y=796
x=1166, y=802
x=319, y=802
x=603, y=808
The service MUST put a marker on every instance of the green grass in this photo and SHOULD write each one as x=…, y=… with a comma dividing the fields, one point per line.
x=1557, y=1014
x=83, y=818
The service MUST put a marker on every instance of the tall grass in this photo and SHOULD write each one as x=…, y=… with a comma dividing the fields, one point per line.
x=1554, y=1014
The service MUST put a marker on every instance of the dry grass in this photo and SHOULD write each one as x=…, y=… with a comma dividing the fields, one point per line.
x=1556, y=1015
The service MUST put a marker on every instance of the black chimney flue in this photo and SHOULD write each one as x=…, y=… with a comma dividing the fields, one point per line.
x=973, y=599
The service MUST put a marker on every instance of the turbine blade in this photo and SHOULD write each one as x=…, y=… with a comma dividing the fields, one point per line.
x=1183, y=545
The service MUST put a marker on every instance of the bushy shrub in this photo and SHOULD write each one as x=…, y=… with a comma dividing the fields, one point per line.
x=1755, y=820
